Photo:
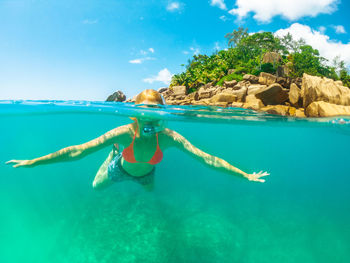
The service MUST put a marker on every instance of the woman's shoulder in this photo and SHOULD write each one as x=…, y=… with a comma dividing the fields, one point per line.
x=123, y=134
x=121, y=130
x=168, y=137
x=167, y=132
x=171, y=134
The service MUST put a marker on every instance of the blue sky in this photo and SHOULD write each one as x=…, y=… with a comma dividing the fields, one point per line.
x=85, y=50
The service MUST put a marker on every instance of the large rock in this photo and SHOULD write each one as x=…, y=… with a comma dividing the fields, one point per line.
x=298, y=81
x=241, y=84
x=236, y=105
x=184, y=102
x=284, y=82
x=209, y=85
x=163, y=89
x=201, y=102
x=284, y=111
x=267, y=78
x=205, y=93
x=241, y=93
x=179, y=97
x=220, y=104
x=325, y=109
x=133, y=99
x=251, y=78
x=295, y=95
x=118, y=96
x=253, y=89
x=230, y=84
x=251, y=102
x=192, y=96
x=223, y=97
x=179, y=90
x=273, y=94
x=300, y=113
x=218, y=89
x=323, y=89
x=277, y=109
x=271, y=57
x=167, y=93
x=339, y=83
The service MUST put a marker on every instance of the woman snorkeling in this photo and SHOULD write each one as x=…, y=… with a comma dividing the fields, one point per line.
x=144, y=142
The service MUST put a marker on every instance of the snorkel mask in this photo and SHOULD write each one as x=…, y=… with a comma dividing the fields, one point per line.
x=152, y=126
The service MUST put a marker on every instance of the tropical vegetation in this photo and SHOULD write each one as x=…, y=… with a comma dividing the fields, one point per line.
x=244, y=55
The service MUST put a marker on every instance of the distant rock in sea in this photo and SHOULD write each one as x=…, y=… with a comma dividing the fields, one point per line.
x=117, y=96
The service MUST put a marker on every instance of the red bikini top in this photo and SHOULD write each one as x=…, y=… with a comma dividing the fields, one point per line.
x=129, y=156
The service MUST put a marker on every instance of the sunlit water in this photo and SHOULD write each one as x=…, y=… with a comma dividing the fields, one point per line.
x=195, y=214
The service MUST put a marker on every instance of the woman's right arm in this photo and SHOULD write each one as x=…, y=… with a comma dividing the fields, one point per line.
x=75, y=152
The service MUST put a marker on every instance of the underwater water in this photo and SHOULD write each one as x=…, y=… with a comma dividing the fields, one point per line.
x=51, y=213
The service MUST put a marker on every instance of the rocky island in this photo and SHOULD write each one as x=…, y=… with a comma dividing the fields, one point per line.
x=265, y=73
x=310, y=96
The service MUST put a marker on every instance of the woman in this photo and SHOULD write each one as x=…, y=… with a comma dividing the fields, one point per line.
x=145, y=140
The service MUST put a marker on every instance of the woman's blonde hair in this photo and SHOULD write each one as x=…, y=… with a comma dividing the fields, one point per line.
x=150, y=95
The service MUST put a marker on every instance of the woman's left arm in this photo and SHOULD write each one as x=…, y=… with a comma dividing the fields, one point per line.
x=183, y=144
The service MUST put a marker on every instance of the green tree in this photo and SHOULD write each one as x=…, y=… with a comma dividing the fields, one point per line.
x=308, y=61
x=290, y=45
x=245, y=55
x=236, y=36
x=345, y=77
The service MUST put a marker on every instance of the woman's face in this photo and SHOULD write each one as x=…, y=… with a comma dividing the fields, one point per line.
x=148, y=102
x=149, y=126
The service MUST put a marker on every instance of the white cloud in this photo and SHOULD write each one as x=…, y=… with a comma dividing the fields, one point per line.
x=223, y=18
x=328, y=48
x=145, y=52
x=291, y=10
x=195, y=50
x=140, y=60
x=135, y=61
x=339, y=29
x=219, y=3
x=163, y=76
x=322, y=29
x=192, y=50
x=90, y=22
x=173, y=6
x=143, y=58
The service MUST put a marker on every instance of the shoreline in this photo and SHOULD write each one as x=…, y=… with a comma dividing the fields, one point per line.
x=309, y=96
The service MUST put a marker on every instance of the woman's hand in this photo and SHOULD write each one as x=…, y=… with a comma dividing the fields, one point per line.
x=256, y=176
x=19, y=163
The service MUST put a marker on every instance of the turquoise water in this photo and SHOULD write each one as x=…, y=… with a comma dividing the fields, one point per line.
x=195, y=214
